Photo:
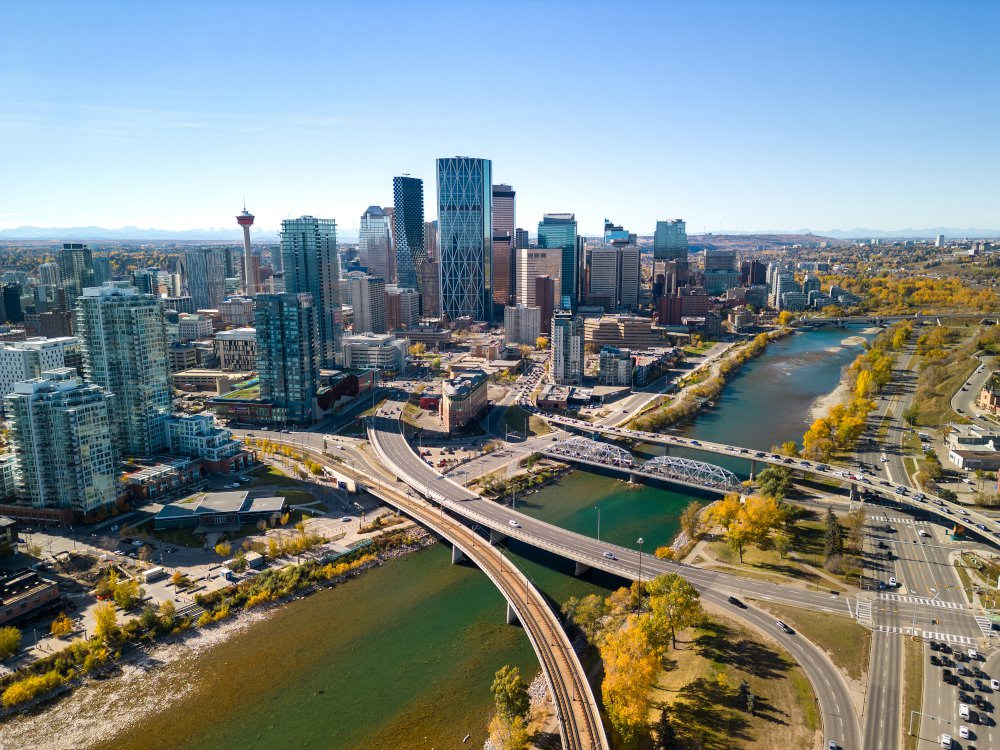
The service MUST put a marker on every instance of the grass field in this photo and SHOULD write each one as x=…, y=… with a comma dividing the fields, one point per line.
x=700, y=691
x=514, y=417
x=270, y=475
x=846, y=643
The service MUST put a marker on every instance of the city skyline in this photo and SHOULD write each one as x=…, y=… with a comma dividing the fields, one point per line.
x=722, y=131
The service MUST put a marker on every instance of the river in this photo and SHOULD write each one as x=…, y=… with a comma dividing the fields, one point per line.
x=403, y=656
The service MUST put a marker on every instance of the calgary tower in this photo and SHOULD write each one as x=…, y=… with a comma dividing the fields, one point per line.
x=251, y=284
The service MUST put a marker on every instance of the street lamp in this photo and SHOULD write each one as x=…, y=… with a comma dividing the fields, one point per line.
x=639, y=542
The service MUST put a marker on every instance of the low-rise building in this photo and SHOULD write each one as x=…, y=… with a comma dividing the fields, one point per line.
x=463, y=399
x=237, y=311
x=182, y=356
x=989, y=396
x=375, y=351
x=615, y=367
x=193, y=327
x=162, y=478
x=219, y=511
x=24, y=592
x=553, y=397
x=203, y=380
x=196, y=436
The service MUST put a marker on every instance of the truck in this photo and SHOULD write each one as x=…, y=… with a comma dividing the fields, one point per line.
x=153, y=574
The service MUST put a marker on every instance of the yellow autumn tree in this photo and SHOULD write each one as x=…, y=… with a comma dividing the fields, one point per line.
x=631, y=664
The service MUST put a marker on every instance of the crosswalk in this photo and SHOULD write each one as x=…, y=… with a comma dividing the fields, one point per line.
x=984, y=624
x=922, y=600
x=864, y=612
x=928, y=634
x=907, y=521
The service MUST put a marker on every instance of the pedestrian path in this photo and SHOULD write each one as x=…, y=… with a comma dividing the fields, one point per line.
x=928, y=634
x=908, y=521
x=984, y=624
x=922, y=600
x=864, y=613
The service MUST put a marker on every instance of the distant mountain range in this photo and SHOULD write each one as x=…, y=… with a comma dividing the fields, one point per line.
x=232, y=234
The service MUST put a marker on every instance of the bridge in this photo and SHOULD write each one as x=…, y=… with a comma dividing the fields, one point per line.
x=975, y=521
x=839, y=715
x=675, y=469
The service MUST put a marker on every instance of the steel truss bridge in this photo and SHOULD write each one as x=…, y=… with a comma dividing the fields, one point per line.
x=668, y=468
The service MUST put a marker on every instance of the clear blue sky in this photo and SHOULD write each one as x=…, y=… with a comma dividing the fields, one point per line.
x=732, y=115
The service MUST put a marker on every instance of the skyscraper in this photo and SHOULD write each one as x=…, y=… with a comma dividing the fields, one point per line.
x=567, y=348
x=374, y=243
x=48, y=274
x=670, y=240
x=534, y=262
x=288, y=354
x=628, y=277
x=102, y=271
x=309, y=256
x=251, y=281
x=431, y=240
x=465, y=211
x=203, y=274
x=559, y=231
x=411, y=252
x=62, y=437
x=503, y=245
x=76, y=268
x=368, y=304
x=125, y=352
x=521, y=238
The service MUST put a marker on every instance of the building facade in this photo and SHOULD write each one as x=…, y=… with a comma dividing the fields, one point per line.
x=237, y=349
x=288, y=355
x=535, y=262
x=125, y=352
x=203, y=274
x=368, y=303
x=28, y=359
x=309, y=256
x=62, y=434
x=465, y=237
x=76, y=270
x=408, y=210
x=373, y=351
x=567, y=348
x=375, y=243
x=558, y=232
x=463, y=399
x=402, y=308
x=503, y=245
x=615, y=367
x=522, y=324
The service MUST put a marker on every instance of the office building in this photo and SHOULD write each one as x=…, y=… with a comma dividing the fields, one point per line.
x=368, y=303
x=430, y=289
x=465, y=237
x=558, y=232
x=409, y=235
x=76, y=270
x=545, y=295
x=10, y=304
x=431, y=239
x=939, y=241
x=718, y=281
x=615, y=367
x=504, y=218
x=720, y=260
x=309, y=252
x=288, y=353
x=522, y=324
x=602, y=272
x=237, y=349
x=48, y=275
x=532, y=263
x=28, y=359
x=624, y=331
x=521, y=239
x=193, y=327
x=237, y=311
x=463, y=399
x=375, y=243
x=670, y=240
x=629, y=265
x=203, y=275
x=125, y=352
x=62, y=436
x=753, y=272
x=375, y=351
x=567, y=348
x=402, y=308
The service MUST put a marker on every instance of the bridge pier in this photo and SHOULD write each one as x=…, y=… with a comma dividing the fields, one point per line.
x=753, y=470
x=854, y=492
x=496, y=536
x=511, y=614
x=456, y=554
x=580, y=568
x=634, y=478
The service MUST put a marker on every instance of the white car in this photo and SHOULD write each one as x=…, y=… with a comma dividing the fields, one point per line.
x=892, y=583
x=514, y=524
x=610, y=555
x=994, y=684
x=946, y=741
x=963, y=732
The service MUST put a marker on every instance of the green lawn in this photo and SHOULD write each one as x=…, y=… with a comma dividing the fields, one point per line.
x=271, y=475
x=847, y=643
x=514, y=416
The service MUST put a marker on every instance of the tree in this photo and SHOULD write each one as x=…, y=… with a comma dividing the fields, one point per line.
x=774, y=481
x=542, y=342
x=418, y=349
x=782, y=543
x=127, y=593
x=106, y=618
x=833, y=537
x=587, y=614
x=691, y=523
x=10, y=639
x=911, y=414
x=223, y=549
x=789, y=448
x=510, y=693
x=674, y=603
x=508, y=735
x=785, y=318
x=61, y=626
x=631, y=664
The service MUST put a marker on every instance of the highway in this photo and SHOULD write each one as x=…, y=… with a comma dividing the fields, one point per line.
x=840, y=718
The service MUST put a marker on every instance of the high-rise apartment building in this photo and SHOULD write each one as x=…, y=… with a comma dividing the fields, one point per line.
x=368, y=304
x=288, y=354
x=203, y=275
x=309, y=253
x=545, y=295
x=76, y=269
x=522, y=325
x=28, y=359
x=532, y=263
x=63, y=440
x=465, y=211
x=558, y=231
x=103, y=272
x=503, y=244
x=567, y=348
x=125, y=352
x=375, y=243
x=48, y=274
x=408, y=212
x=237, y=349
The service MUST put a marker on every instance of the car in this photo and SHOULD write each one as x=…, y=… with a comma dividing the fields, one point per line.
x=513, y=524
x=610, y=555
x=963, y=732
x=994, y=684
x=923, y=532
x=345, y=519
x=831, y=745
x=973, y=654
x=935, y=661
x=737, y=603
x=783, y=626
x=882, y=545
x=946, y=741
x=935, y=646
x=893, y=583
x=137, y=543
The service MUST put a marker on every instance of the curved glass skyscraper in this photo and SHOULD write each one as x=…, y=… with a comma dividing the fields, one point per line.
x=411, y=250
x=465, y=207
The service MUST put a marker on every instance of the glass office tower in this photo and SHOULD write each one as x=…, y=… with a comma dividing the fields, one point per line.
x=559, y=231
x=465, y=197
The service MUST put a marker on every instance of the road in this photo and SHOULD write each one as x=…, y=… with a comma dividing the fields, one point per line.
x=839, y=716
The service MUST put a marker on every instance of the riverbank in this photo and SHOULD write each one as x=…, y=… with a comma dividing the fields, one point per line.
x=135, y=661
x=842, y=393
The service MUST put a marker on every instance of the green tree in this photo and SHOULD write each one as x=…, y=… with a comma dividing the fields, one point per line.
x=674, y=603
x=782, y=543
x=510, y=693
x=833, y=536
x=691, y=523
x=587, y=614
x=10, y=639
x=774, y=481
x=911, y=414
